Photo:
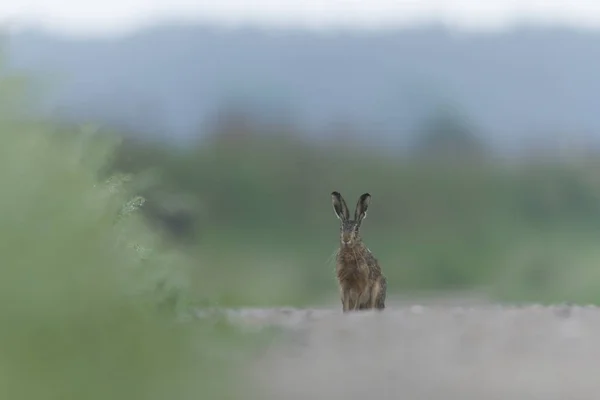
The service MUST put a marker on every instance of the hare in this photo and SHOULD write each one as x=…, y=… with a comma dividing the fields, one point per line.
x=362, y=285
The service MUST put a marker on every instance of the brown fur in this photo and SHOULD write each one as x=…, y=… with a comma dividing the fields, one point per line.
x=362, y=284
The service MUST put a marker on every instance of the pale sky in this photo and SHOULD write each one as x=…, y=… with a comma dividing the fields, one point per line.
x=93, y=17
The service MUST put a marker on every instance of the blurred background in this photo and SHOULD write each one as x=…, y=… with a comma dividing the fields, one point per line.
x=473, y=126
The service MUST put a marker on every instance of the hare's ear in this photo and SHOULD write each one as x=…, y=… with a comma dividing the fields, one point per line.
x=339, y=206
x=361, y=207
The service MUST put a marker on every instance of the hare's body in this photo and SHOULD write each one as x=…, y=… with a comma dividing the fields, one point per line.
x=362, y=285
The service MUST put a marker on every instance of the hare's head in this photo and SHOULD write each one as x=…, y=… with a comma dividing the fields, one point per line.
x=349, y=227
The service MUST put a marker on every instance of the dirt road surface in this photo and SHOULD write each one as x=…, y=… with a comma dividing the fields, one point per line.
x=430, y=352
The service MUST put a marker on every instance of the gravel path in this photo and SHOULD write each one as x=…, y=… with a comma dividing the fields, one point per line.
x=431, y=352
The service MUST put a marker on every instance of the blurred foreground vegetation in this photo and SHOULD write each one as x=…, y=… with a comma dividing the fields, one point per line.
x=90, y=295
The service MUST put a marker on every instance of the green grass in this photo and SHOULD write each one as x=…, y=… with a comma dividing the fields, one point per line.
x=550, y=267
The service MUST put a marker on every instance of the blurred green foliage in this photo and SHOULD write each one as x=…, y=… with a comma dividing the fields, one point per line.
x=90, y=295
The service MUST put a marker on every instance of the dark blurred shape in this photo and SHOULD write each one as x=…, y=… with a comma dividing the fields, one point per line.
x=448, y=136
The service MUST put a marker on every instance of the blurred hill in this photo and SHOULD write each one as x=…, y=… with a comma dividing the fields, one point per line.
x=172, y=80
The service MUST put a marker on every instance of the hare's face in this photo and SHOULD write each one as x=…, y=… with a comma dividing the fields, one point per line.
x=348, y=233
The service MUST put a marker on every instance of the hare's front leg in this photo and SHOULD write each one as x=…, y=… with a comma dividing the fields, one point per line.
x=345, y=302
x=350, y=301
